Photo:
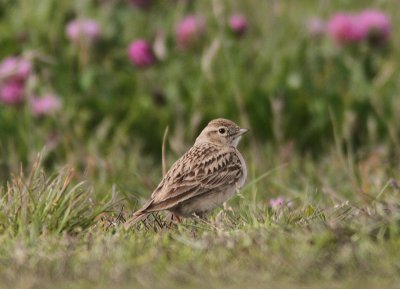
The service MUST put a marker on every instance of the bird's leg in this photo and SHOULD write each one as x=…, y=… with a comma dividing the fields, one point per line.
x=175, y=218
x=172, y=219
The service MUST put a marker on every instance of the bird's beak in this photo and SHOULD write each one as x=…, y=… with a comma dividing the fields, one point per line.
x=243, y=131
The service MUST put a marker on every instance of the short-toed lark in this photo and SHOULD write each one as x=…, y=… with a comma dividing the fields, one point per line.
x=207, y=175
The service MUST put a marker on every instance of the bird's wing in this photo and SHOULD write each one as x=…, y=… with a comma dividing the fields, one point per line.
x=205, y=168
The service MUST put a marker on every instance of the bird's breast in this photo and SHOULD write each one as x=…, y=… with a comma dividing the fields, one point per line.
x=242, y=180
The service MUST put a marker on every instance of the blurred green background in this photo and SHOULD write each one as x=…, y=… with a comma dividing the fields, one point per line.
x=285, y=84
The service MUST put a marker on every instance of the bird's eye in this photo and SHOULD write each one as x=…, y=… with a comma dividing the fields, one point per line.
x=221, y=130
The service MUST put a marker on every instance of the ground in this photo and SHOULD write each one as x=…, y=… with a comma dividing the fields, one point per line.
x=317, y=238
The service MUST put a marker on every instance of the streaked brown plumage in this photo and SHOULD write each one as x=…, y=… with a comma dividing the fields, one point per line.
x=207, y=175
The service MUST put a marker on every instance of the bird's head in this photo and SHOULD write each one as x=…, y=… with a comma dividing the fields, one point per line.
x=221, y=132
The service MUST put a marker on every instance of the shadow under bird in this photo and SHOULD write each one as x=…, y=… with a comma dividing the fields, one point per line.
x=206, y=176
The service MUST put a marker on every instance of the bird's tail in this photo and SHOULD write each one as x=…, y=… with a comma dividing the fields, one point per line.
x=137, y=217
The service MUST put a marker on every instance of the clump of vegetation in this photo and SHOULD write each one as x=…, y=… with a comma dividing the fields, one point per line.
x=37, y=204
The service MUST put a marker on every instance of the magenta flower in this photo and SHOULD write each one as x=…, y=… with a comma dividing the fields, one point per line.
x=345, y=28
x=142, y=3
x=316, y=27
x=375, y=24
x=141, y=53
x=11, y=92
x=276, y=203
x=83, y=30
x=238, y=24
x=45, y=105
x=189, y=31
x=15, y=68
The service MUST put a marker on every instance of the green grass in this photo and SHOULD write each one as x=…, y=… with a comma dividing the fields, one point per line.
x=342, y=229
x=37, y=203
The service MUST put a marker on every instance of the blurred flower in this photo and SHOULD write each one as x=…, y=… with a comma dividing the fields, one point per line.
x=142, y=3
x=316, y=27
x=45, y=105
x=238, y=24
x=375, y=24
x=276, y=203
x=141, y=53
x=11, y=92
x=189, y=31
x=86, y=30
x=345, y=28
x=15, y=68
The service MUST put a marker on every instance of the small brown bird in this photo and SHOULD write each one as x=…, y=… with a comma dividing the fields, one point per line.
x=206, y=176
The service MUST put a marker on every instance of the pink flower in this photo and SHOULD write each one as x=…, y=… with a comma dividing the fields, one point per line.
x=375, y=24
x=238, y=24
x=276, y=203
x=189, y=31
x=141, y=54
x=345, y=28
x=45, y=105
x=11, y=92
x=86, y=30
x=316, y=27
x=142, y=3
x=15, y=68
